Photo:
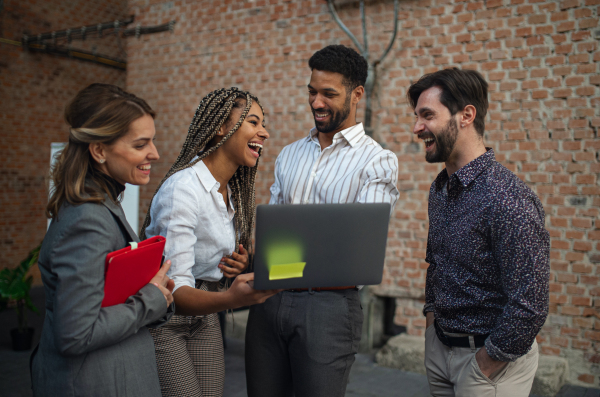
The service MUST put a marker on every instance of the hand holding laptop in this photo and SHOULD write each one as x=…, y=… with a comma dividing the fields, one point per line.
x=242, y=292
x=164, y=283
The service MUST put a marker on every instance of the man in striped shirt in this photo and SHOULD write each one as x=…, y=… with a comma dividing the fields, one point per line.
x=302, y=343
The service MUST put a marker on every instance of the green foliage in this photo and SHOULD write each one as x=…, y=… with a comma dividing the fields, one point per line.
x=14, y=288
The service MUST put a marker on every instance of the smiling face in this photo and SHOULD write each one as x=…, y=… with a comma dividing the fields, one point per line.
x=330, y=102
x=245, y=145
x=435, y=126
x=128, y=159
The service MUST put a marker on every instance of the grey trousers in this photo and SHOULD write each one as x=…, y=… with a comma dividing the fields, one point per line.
x=453, y=371
x=302, y=344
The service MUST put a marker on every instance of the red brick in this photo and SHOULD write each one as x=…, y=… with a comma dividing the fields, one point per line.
x=587, y=378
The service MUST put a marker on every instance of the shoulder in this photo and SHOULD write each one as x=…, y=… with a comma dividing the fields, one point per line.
x=510, y=194
x=375, y=152
x=74, y=215
x=294, y=147
x=184, y=182
x=83, y=222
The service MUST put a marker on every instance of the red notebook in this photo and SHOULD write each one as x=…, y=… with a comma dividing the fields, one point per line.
x=129, y=269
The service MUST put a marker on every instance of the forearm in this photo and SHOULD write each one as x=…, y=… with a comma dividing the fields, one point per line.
x=194, y=302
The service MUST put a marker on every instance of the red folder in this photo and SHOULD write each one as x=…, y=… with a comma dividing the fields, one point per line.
x=129, y=269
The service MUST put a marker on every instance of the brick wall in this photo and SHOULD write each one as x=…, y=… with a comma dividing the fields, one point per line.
x=540, y=57
x=34, y=89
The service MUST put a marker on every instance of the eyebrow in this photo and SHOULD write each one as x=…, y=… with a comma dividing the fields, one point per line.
x=142, y=139
x=423, y=110
x=253, y=115
x=324, y=89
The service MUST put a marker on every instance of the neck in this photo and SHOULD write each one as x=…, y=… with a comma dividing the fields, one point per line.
x=326, y=138
x=464, y=152
x=221, y=168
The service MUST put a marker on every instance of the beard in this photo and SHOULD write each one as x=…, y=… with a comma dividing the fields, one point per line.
x=337, y=118
x=444, y=143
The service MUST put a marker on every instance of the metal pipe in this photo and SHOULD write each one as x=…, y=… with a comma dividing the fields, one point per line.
x=77, y=33
x=389, y=47
x=139, y=30
x=337, y=19
x=364, y=29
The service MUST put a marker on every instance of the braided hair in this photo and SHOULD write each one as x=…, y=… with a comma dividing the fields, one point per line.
x=214, y=110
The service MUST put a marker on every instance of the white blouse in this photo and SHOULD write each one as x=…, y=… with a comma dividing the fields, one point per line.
x=191, y=214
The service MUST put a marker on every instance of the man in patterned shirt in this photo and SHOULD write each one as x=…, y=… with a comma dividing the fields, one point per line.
x=302, y=343
x=488, y=251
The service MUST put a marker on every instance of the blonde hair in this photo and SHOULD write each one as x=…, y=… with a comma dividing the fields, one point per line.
x=99, y=113
x=214, y=110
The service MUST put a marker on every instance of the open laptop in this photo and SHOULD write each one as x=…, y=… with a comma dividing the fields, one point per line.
x=320, y=245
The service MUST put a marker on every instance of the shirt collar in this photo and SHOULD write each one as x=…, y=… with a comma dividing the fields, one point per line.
x=206, y=178
x=351, y=135
x=469, y=172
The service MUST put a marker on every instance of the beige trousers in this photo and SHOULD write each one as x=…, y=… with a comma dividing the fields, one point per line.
x=453, y=371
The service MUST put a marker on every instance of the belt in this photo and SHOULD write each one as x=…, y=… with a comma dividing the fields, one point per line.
x=319, y=289
x=459, y=341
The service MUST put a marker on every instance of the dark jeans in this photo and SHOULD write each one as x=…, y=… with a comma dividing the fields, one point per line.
x=302, y=343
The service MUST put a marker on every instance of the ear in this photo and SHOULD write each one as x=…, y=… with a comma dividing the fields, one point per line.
x=357, y=94
x=467, y=116
x=98, y=152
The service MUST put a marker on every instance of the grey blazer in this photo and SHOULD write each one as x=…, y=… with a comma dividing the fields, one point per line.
x=86, y=350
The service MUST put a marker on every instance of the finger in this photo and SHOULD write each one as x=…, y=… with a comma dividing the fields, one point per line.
x=230, y=272
x=167, y=294
x=238, y=257
x=171, y=285
x=164, y=269
x=232, y=263
x=243, y=250
x=246, y=277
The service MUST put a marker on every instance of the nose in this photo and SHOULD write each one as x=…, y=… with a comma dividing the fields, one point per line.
x=153, y=154
x=419, y=127
x=317, y=102
x=264, y=134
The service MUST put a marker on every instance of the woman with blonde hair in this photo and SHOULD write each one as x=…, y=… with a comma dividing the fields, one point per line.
x=205, y=207
x=86, y=349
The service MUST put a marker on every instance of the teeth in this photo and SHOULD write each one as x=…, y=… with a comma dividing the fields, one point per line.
x=321, y=114
x=427, y=140
x=144, y=167
x=258, y=145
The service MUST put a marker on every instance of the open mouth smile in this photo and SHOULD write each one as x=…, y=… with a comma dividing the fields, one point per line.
x=145, y=168
x=255, y=148
x=320, y=116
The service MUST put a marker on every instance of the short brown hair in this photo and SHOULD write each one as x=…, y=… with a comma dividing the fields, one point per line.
x=98, y=113
x=459, y=89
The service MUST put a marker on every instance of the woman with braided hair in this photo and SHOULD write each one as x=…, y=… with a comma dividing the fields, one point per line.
x=205, y=207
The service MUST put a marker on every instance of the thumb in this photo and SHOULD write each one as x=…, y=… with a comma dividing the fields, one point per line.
x=164, y=269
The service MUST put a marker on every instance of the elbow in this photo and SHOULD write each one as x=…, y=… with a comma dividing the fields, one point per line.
x=69, y=346
x=69, y=350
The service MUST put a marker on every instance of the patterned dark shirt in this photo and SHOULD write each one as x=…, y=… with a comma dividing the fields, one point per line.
x=488, y=255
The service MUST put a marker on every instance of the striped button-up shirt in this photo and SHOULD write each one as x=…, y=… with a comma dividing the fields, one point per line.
x=354, y=169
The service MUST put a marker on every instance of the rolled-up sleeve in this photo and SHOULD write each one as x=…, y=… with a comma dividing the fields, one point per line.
x=174, y=215
x=381, y=178
x=521, y=246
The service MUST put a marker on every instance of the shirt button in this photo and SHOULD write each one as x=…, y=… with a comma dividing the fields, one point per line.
x=313, y=174
x=305, y=201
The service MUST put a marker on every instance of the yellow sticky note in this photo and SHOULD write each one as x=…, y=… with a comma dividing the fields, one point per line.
x=287, y=270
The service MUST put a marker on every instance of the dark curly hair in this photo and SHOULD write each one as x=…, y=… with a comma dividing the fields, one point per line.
x=459, y=89
x=343, y=60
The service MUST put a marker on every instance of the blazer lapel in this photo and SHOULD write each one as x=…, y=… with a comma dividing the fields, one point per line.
x=120, y=215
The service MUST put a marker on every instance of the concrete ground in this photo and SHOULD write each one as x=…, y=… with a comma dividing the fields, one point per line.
x=367, y=379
